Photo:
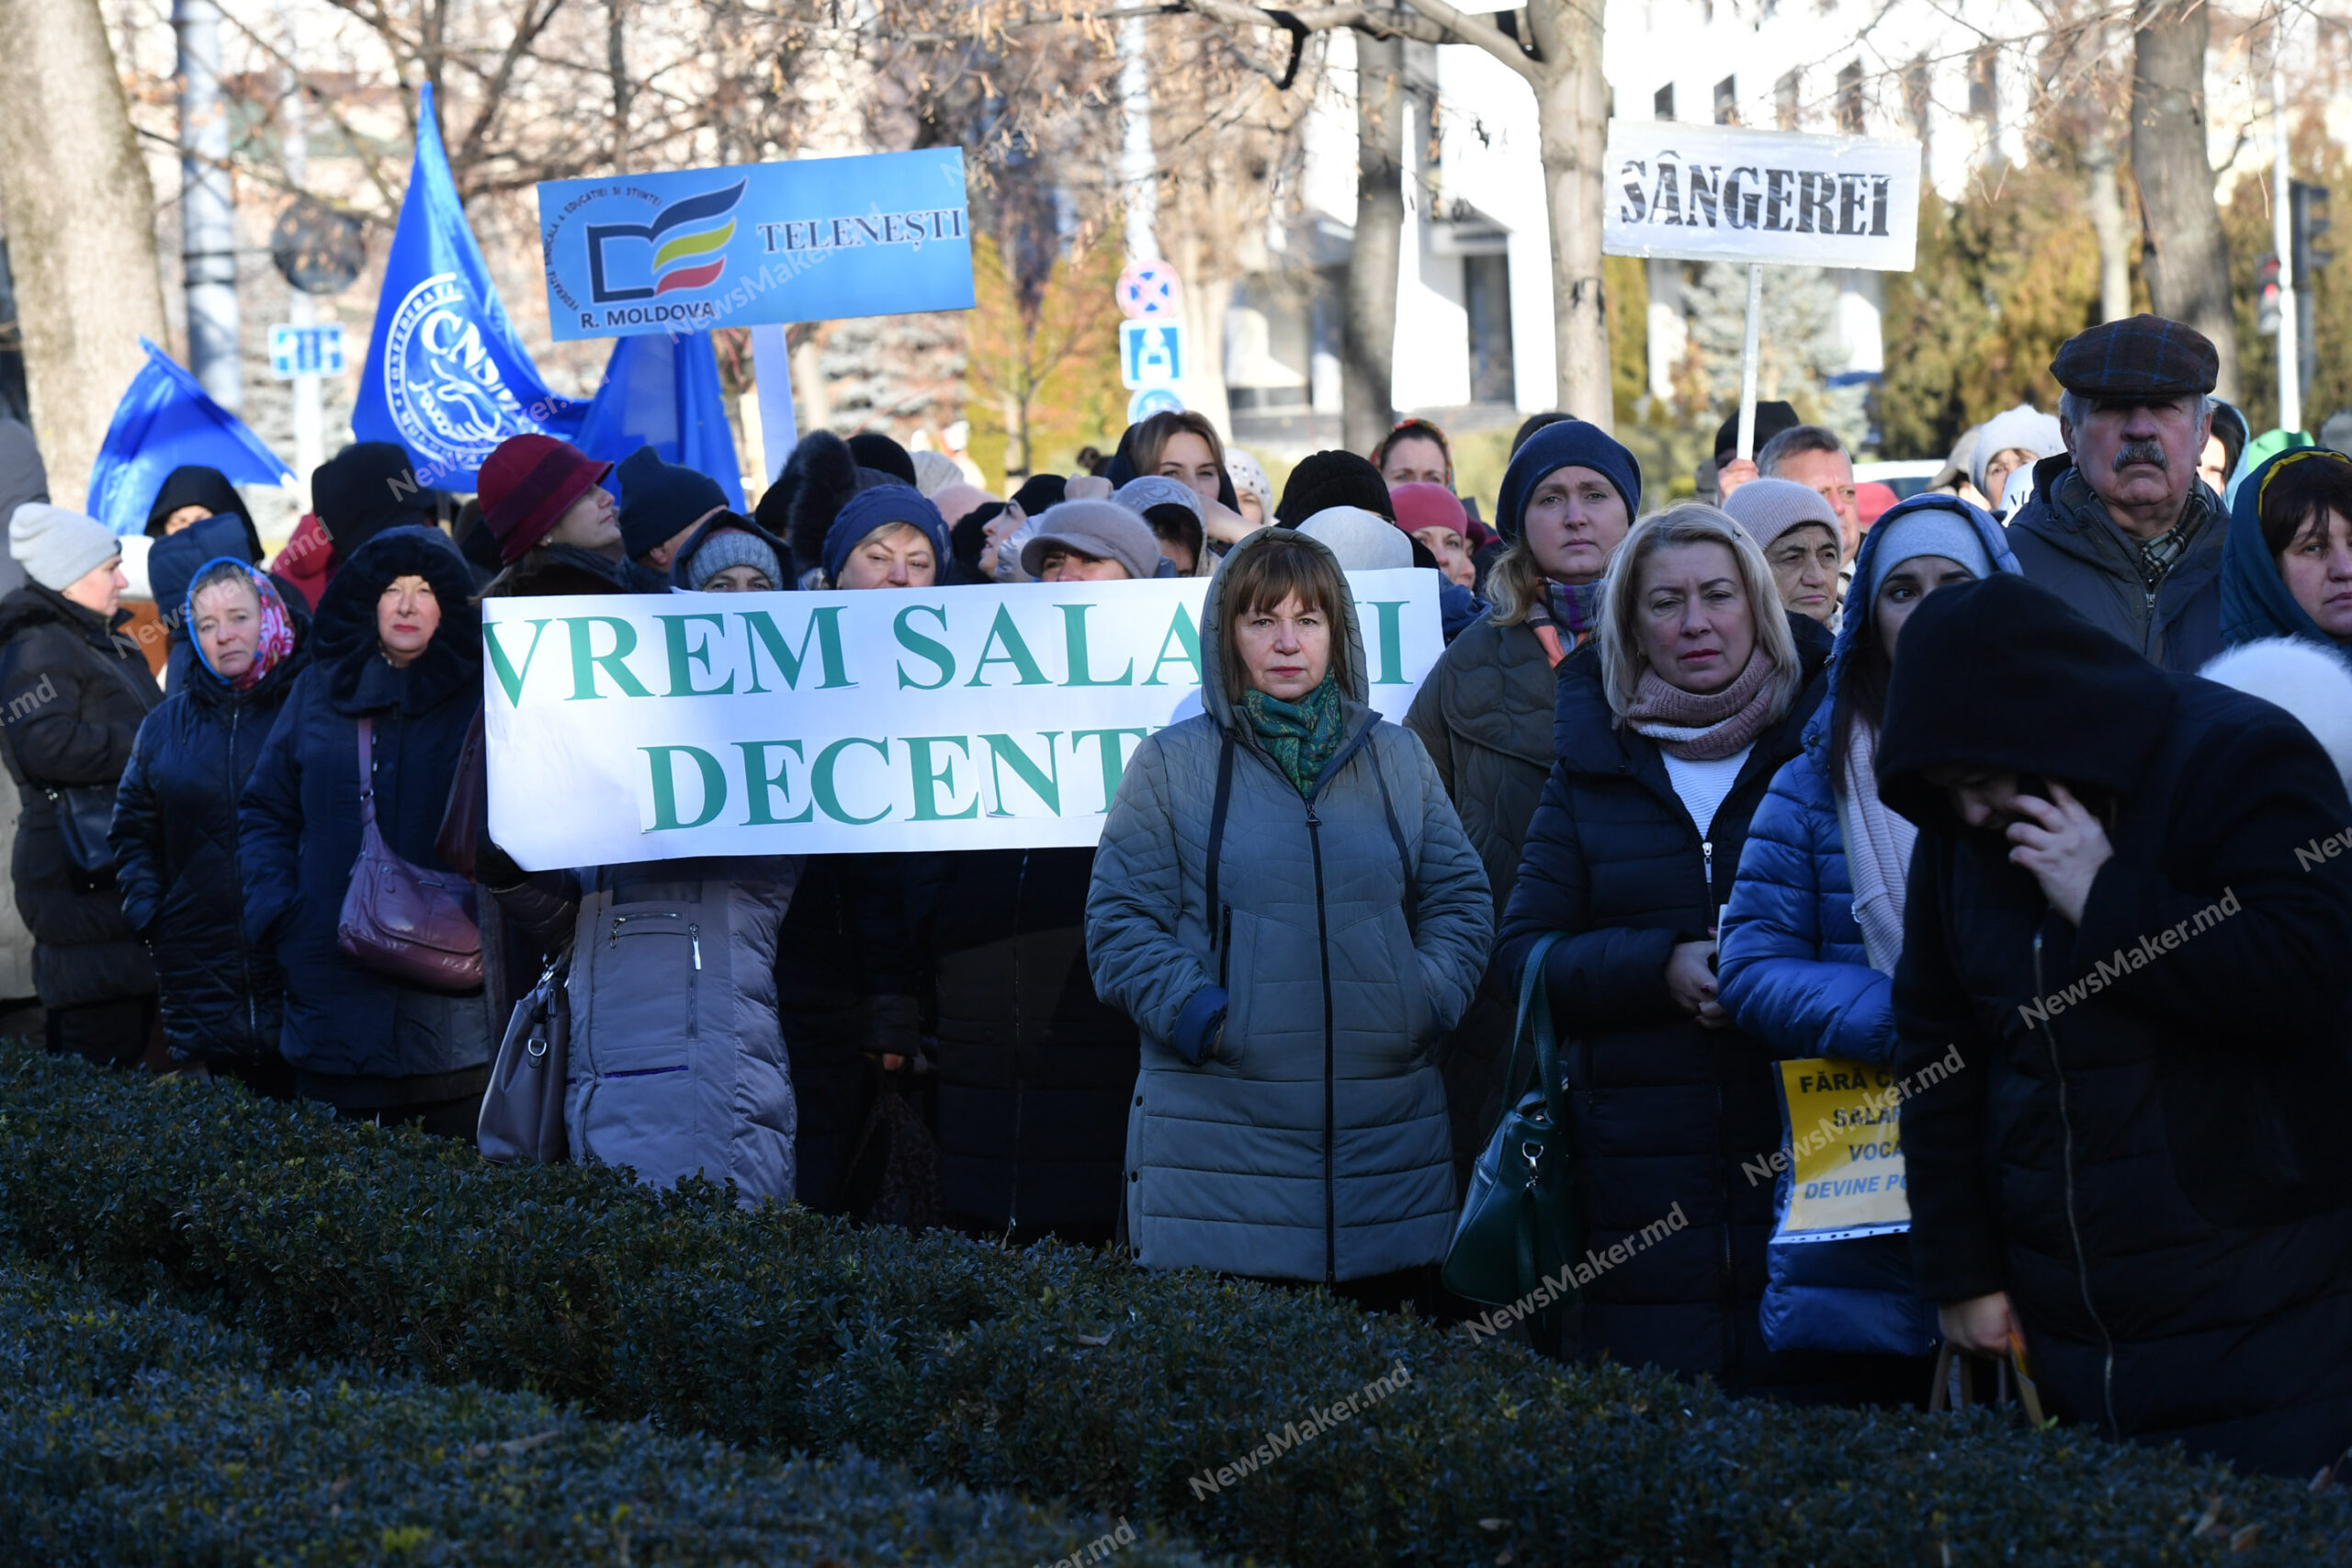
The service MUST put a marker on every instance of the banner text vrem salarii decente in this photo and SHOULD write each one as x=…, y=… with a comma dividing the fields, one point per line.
x=1790, y=201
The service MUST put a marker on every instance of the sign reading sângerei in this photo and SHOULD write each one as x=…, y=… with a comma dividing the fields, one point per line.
x=1719, y=193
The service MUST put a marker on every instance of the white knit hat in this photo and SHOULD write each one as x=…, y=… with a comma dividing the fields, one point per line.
x=57, y=548
x=1248, y=474
x=2024, y=428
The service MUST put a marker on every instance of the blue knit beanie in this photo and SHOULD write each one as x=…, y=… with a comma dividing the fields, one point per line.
x=1569, y=442
x=878, y=508
x=659, y=501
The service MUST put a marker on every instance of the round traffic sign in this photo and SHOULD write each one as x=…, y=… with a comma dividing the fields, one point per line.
x=1152, y=401
x=319, y=249
x=1148, y=290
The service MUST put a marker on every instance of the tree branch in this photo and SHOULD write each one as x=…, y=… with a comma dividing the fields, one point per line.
x=1423, y=21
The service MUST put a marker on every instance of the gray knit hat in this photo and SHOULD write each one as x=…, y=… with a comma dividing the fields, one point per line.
x=1364, y=541
x=1101, y=529
x=1770, y=508
x=1140, y=494
x=732, y=546
x=57, y=548
x=935, y=471
x=1928, y=531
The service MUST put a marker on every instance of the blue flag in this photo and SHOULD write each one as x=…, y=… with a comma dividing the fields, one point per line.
x=663, y=392
x=164, y=420
x=447, y=377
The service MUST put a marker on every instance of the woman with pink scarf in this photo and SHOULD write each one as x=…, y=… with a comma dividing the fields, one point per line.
x=175, y=833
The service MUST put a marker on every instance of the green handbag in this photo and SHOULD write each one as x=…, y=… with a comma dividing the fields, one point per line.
x=1516, y=1225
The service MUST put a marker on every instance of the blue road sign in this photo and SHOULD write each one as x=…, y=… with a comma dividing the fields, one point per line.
x=306, y=351
x=1151, y=352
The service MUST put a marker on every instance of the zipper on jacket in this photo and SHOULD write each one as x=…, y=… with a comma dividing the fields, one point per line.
x=1330, y=1120
x=245, y=948
x=1707, y=859
x=1225, y=941
x=2074, y=1229
x=1020, y=1079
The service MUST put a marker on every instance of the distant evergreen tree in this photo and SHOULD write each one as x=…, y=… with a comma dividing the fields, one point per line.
x=1799, y=345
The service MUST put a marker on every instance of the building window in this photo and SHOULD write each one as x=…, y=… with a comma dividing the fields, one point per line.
x=1727, y=101
x=1662, y=101
x=1849, y=98
x=1919, y=97
x=1985, y=86
x=1785, y=94
x=1485, y=298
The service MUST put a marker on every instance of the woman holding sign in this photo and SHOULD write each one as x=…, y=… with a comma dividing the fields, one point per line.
x=1816, y=922
x=1666, y=741
x=847, y=989
x=1284, y=903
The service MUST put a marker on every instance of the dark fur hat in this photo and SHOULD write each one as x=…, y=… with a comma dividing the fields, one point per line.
x=819, y=475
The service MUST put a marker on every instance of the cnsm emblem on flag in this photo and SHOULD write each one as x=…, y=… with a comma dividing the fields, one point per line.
x=674, y=250
x=446, y=397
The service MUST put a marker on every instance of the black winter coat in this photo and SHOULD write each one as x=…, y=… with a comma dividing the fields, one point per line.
x=72, y=692
x=299, y=829
x=1034, y=1070
x=2151, y=1153
x=1485, y=716
x=175, y=860
x=846, y=986
x=1666, y=1110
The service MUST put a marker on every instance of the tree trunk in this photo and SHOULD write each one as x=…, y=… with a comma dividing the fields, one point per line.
x=2184, y=252
x=1572, y=124
x=2107, y=220
x=1368, y=327
x=81, y=228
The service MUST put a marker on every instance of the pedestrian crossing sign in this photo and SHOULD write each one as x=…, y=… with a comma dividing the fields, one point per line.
x=1151, y=352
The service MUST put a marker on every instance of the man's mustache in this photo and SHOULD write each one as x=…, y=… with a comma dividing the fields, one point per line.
x=2141, y=452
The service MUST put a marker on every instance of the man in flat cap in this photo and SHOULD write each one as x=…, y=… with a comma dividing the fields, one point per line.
x=2120, y=527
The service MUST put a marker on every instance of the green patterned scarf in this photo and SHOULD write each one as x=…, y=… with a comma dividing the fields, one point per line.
x=1301, y=737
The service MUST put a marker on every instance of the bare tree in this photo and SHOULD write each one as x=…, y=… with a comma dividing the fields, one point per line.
x=1560, y=61
x=1368, y=326
x=2080, y=92
x=81, y=227
x=2183, y=251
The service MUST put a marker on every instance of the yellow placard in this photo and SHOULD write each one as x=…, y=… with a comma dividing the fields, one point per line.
x=1845, y=1149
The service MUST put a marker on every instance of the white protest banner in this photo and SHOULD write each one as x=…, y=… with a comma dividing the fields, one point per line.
x=1719, y=193
x=651, y=728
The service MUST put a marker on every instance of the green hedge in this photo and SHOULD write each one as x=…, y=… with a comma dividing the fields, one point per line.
x=1052, y=1372
x=146, y=1436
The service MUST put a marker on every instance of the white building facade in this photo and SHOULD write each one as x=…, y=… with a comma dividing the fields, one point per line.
x=1473, y=313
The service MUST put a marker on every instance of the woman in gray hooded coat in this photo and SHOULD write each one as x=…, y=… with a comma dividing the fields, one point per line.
x=1285, y=904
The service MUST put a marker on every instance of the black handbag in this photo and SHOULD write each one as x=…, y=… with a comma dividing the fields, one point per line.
x=84, y=812
x=1518, y=1224
x=522, y=1107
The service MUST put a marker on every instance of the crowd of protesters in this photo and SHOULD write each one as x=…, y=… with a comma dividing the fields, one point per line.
x=1265, y=1026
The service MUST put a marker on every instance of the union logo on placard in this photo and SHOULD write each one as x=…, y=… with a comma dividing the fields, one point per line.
x=441, y=383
